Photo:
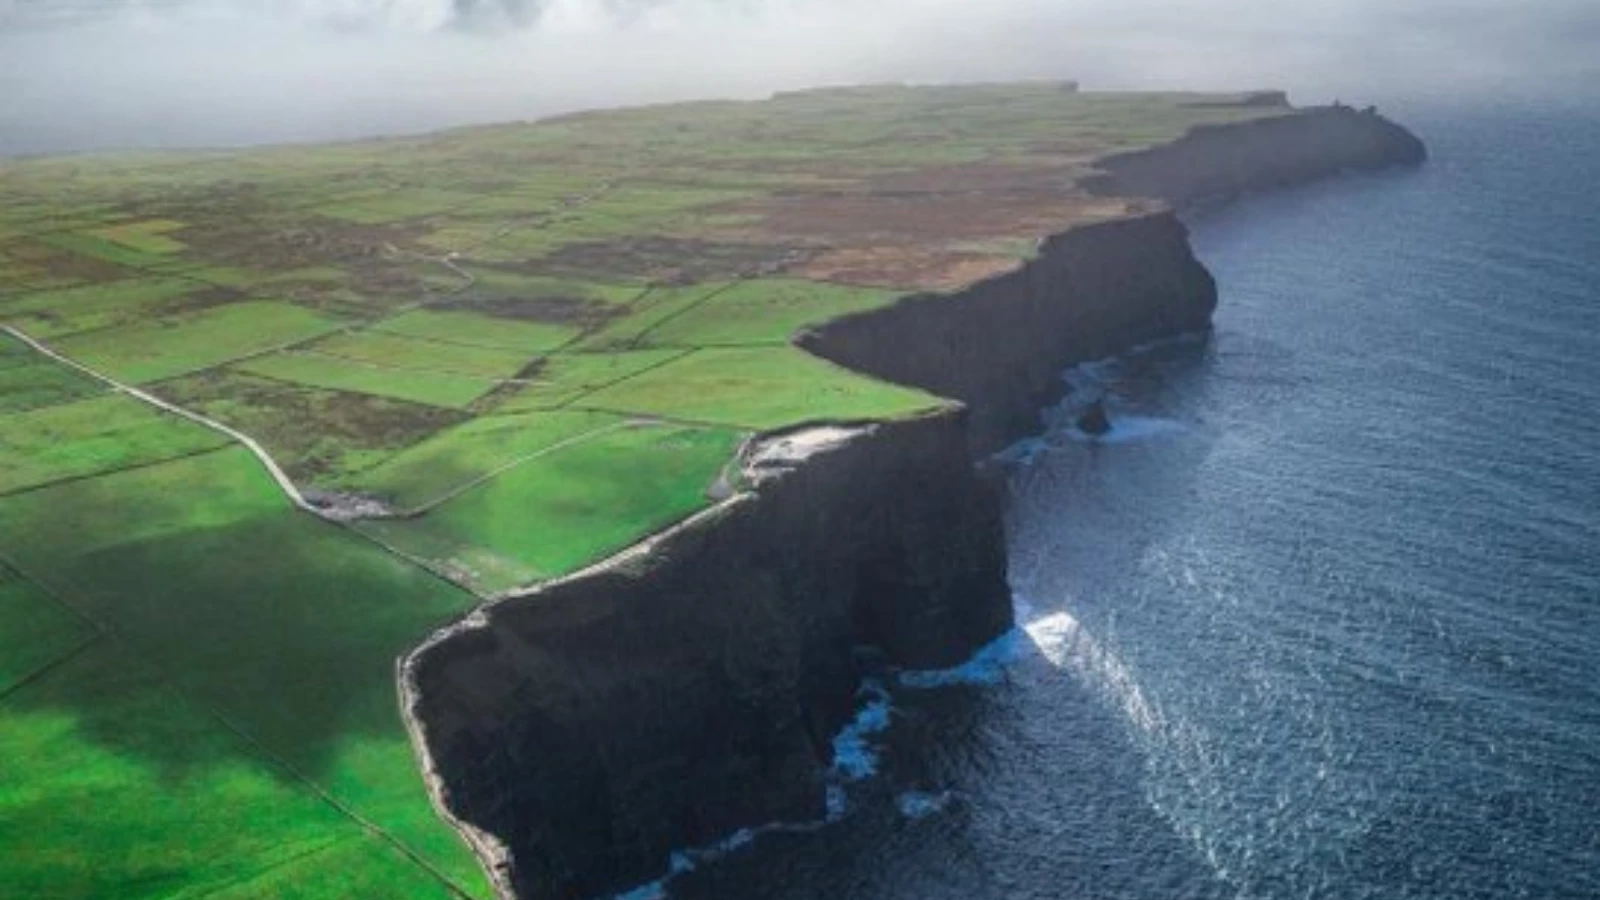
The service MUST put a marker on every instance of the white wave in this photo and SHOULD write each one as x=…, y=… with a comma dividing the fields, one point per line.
x=1062, y=640
x=987, y=666
x=855, y=754
x=855, y=758
x=920, y=804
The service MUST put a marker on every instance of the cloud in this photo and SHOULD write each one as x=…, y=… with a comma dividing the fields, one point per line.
x=170, y=72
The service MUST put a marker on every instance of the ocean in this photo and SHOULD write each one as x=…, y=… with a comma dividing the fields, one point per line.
x=1321, y=617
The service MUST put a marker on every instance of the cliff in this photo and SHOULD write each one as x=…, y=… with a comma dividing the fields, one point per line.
x=689, y=687
x=1000, y=345
x=692, y=686
x=1222, y=161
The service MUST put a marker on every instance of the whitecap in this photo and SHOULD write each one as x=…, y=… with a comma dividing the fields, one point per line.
x=855, y=755
x=985, y=667
x=920, y=804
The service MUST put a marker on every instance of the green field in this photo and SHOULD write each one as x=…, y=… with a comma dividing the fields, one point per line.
x=511, y=350
x=475, y=329
x=87, y=437
x=557, y=511
x=225, y=618
x=29, y=381
x=757, y=388
x=58, y=311
x=458, y=457
x=447, y=389
x=152, y=350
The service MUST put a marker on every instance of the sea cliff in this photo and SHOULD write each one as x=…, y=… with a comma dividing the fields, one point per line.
x=689, y=687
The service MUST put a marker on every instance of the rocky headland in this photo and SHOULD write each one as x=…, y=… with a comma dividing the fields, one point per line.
x=577, y=734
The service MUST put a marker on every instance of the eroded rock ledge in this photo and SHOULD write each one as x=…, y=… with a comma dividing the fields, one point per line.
x=689, y=687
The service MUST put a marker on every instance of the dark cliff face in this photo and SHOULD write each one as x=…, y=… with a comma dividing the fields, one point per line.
x=1096, y=290
x=1227, y=160
x=692, y=688
x=1000, y=345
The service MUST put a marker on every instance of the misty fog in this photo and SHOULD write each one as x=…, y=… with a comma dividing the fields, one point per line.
x=85, y=74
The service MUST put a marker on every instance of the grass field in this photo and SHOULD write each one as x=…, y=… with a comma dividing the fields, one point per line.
x=270, y=609
x=479, y=330
x=86, y=437
x=541, y=341
x=568, y=377
x=445, y=389
x=320, y=435
x=29, y=381
x=421, y=354
x=757, y=388
x=152, y=350
x=59, y=311
x=557, y=511
x=764, y=311
x=461, y=456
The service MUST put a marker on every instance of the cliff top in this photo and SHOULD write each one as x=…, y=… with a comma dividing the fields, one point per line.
x=494, y=354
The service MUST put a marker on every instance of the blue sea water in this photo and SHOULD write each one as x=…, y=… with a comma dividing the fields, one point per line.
x=1323, y=621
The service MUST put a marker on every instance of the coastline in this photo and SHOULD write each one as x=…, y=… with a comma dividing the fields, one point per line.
x=685, y=688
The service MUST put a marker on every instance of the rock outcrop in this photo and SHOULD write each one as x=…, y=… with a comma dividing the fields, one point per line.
x=689, y=687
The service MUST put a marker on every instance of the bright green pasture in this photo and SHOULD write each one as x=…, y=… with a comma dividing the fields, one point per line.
x=99, y=434
x=460, y=456
x=432, y=388
x=59, y=311
x=567, y=377
x=765, y=311
x=149, y=351
x=479, y=330
x=393, y=351
x=284, y=626
x=648, y=313
x=318, y=435
x=757, y=388
x=557, y=512
x=29, y=380
x=117, y=785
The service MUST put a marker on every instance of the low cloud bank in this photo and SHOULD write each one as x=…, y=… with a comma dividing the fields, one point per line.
x=83, y=74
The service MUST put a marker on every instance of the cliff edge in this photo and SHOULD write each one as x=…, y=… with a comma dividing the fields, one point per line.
x=689, y=687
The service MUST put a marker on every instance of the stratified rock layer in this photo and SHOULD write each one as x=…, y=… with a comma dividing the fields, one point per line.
x=688, y=688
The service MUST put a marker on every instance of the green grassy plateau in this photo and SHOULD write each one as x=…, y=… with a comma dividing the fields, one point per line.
x=515, y=349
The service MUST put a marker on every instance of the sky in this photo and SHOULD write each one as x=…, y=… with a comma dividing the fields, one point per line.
x=84, y=74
